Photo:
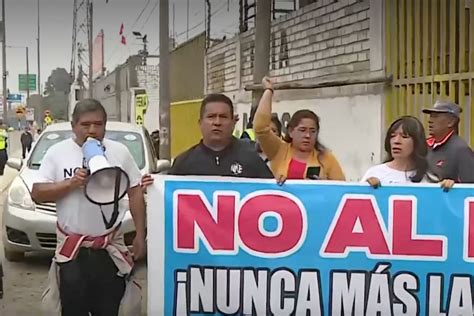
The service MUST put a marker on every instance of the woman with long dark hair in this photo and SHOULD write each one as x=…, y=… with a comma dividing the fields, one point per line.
x=406, y=148
x=299, y=155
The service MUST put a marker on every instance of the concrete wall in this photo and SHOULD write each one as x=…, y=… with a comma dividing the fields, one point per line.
x=104, y=90
x=187, y=70
x=113, y=90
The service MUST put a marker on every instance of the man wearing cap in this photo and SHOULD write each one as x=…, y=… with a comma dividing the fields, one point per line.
x=449, y=156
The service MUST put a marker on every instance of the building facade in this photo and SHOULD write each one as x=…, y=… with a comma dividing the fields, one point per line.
x=362, y=64
x=324, y=43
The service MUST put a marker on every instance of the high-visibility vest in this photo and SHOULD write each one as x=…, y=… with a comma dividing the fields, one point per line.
x=236, y=133
x=250, y=133
x=3, y=138
x=48, y=120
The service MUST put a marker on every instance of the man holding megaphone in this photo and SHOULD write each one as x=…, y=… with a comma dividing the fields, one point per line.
x=92, y=268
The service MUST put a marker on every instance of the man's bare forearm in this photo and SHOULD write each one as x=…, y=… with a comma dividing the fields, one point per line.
x=51, y=192
x=137, y=209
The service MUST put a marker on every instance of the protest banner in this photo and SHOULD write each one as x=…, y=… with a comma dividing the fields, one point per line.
x=250, y=247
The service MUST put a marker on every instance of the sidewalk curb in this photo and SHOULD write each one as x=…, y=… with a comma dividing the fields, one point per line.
x=9, y=175
x=9, y=181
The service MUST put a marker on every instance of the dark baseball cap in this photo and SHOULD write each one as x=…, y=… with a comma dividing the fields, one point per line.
x=445, y=107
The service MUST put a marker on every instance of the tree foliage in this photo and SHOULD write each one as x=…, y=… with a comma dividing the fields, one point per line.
x=59, y=81
x=56, y=92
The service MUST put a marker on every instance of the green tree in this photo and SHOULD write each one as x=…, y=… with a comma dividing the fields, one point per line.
x=59, y=80
x=56, y=92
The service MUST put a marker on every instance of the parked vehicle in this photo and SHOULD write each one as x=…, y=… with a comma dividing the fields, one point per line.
x=29, y=226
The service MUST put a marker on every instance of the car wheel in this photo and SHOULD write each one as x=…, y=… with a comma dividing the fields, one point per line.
x=13, y=256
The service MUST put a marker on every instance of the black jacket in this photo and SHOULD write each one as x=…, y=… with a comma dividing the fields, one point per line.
x=239, y=159
x=26, y=139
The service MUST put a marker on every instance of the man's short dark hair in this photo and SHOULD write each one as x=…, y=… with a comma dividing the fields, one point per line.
x=216, y=97
x=87, y=106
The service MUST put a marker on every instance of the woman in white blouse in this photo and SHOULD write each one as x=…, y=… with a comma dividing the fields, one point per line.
x=406, y=148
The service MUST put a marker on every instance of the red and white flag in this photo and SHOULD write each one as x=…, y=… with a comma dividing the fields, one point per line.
x=123, y=39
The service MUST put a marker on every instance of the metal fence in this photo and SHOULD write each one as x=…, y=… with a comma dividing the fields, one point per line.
x=430, y=54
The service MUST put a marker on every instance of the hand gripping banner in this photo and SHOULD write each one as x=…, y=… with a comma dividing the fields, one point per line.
x=249, y=247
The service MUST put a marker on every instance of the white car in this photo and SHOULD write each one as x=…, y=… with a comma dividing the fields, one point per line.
x=30, y=226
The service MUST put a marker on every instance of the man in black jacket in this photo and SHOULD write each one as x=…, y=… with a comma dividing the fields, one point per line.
x=26, y=141
x=219, y=153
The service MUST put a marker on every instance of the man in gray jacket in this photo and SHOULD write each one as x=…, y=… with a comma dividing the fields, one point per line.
x=449, y=156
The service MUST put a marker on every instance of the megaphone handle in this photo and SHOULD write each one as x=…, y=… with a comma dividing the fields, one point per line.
x=115, y=213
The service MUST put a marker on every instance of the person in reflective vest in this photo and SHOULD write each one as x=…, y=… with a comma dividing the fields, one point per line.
x=236, y=133
x=248, y=134
x=48, y=120
x=3, y=148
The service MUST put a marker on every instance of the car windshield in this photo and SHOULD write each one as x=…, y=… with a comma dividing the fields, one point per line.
x=132, y=140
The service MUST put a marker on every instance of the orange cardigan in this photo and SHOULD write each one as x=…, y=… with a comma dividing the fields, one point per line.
x=280, y=152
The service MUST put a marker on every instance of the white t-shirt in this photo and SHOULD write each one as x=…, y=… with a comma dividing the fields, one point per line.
x=388, y=175
x=76, y=214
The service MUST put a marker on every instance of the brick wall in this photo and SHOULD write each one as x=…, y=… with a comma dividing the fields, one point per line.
x=327, y=37
x=222, y=66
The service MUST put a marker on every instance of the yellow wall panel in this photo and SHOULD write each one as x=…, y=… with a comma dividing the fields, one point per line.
x=184, y=125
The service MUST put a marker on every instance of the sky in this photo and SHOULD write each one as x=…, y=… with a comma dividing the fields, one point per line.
x=56, y=25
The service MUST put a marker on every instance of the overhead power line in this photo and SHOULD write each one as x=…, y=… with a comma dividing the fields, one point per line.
x=149, y=15
x=217, y=10
x=140, y=15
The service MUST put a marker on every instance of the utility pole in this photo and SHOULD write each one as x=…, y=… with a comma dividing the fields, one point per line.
x=173, y=31
x=187, y=21
x=27, y=78
x=207, y=17
x=90, y=41
x=39, y=59
x=165, y=130
x=262, y=48
x=4, y=64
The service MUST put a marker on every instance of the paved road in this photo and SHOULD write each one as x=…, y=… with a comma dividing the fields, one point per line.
x=24, y=281
x=14, y=151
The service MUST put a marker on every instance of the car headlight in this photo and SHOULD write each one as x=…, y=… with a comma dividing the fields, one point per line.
x=19, y=196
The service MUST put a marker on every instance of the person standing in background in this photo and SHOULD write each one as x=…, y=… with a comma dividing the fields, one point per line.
x=449, y=156
x=26, y=140
x=34, y=129
x=3, y=147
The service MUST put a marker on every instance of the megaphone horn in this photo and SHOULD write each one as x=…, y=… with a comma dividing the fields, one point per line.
x=106, y=184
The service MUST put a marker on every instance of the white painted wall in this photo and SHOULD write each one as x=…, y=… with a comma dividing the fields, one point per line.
x=350, y=126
